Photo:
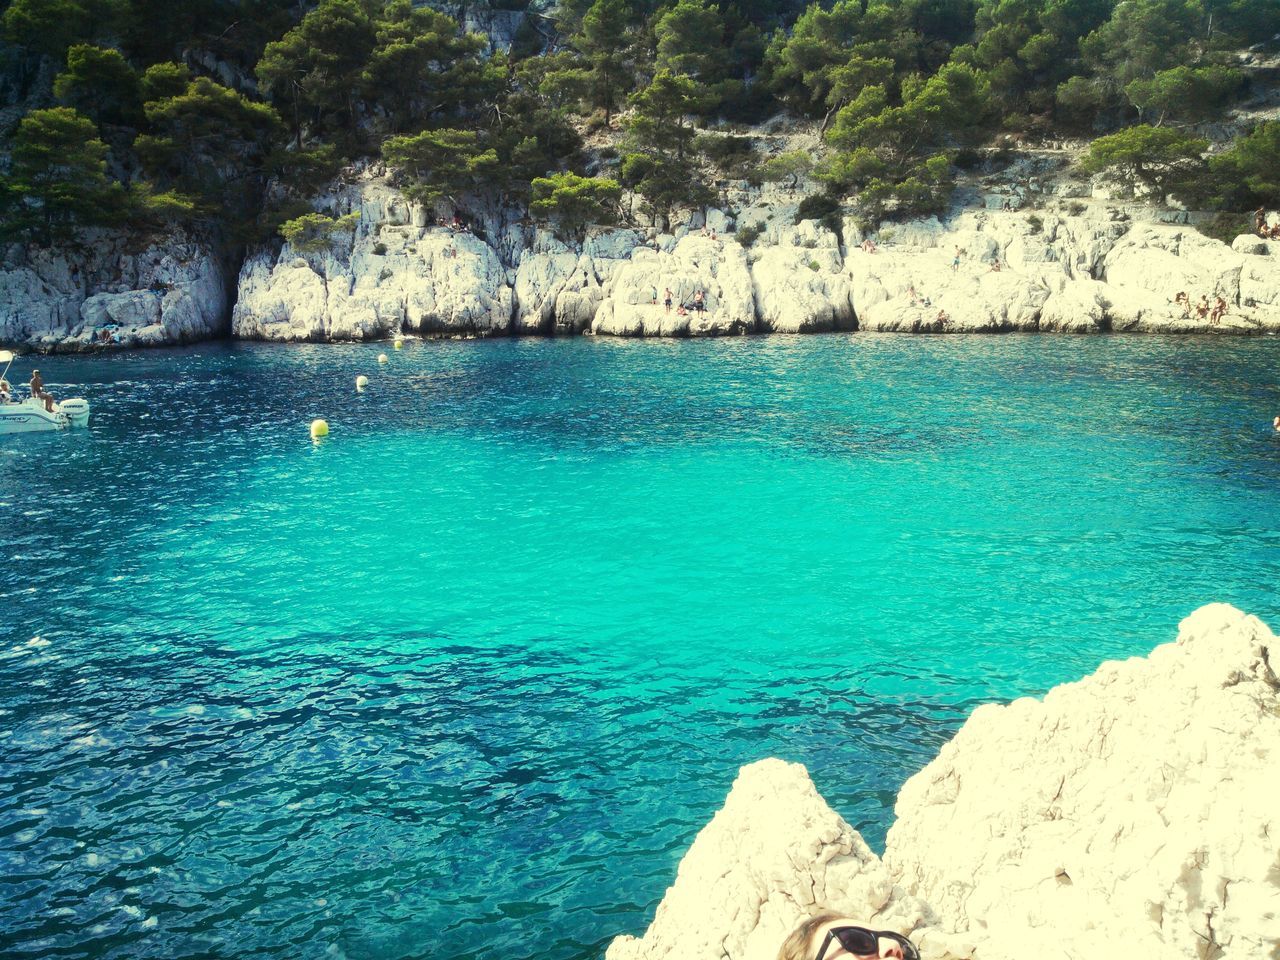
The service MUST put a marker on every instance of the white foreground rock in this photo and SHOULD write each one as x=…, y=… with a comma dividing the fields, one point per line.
x=1130, y=814
x=773, y=855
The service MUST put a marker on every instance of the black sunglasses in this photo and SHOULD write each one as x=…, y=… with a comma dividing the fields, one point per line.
x=862, y=942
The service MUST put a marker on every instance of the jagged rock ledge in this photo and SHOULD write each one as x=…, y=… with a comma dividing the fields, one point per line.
x=1130, y=814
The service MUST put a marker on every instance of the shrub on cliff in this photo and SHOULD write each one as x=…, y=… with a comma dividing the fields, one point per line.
x=573, y=203
x=315, y=232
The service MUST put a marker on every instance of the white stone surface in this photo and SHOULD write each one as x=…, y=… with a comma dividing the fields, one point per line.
x=1132, y=813
x=799, y=283
x=716, y=267
x=773, y=855
x=174, y=291
x=393, y=275
x=1129, y=814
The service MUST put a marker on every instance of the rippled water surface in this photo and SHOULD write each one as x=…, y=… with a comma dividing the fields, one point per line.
x=465, y=679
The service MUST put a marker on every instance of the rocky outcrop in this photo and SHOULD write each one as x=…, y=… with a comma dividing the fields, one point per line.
x=173, y=291
x=1140, y=809
x=394, y=274
x=773, y=855
x=1129, y=814
x=634, y=305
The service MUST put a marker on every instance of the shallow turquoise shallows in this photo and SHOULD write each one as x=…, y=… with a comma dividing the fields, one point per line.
x=465, y=678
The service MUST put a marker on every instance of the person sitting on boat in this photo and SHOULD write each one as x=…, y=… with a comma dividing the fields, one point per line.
x=830, y=936
x=38, y=391
x=6, y=391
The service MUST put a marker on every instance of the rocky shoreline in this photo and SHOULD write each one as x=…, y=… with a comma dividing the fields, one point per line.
x=1128, y=814
x=981, y=271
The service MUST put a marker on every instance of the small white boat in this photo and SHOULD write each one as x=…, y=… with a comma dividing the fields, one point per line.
x=31, y=415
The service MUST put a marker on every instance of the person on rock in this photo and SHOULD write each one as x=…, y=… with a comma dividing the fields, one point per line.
x=1260, y=220
x=1182, y=300
x=666, y=299
x=955, y=260
x=699, y=302
x=1219, y=310
x=681, y=311
x=995, y=265
x=1202, y=308
x=829, y=936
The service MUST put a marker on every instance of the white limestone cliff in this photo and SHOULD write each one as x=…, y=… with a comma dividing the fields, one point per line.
x=173, y=291
x=1056, y=273
x=394, y=274
x=1131, y=813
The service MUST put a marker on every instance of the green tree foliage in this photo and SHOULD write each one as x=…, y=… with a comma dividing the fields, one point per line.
x=51, y=26
x=789, y=166
x=573, y=203
x=1028, y=47
x=895, y=157
x=313, y=73
x=421, y=68
x=831, y=55
x=605, y=41
x=59, y=180
x=664, y=113
x=1184, y=93
x=315, y=232
x=665, y=183
x=1162, y=158
x=440, y=164
x=163, y=80
x=100, y=84
x=210, y=143
x=1248, y=173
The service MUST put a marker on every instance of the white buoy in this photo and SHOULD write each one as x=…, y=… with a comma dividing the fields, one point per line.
x=319, y=428
x=399, y=343
x=382, y=358
x=361, y=382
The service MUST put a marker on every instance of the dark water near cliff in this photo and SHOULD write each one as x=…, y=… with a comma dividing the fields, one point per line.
x=465, y=679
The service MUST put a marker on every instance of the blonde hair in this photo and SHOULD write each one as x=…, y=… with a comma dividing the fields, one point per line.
x=796, y=946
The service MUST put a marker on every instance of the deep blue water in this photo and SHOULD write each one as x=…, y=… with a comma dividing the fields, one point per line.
x=465, y=679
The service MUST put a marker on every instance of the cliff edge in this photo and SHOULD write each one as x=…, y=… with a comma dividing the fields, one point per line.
x=1132, y=813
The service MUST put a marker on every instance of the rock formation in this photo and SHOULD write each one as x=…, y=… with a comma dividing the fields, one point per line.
x=174, y=291
x=1130, y=814
x=400, y=273
x=1055, y=273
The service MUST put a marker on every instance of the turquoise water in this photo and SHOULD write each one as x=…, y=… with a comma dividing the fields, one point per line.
x=465, y=679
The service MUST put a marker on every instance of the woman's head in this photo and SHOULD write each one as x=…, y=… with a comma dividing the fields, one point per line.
x=830, y=936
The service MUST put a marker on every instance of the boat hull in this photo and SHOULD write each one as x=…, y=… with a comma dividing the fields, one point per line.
x=31, y=417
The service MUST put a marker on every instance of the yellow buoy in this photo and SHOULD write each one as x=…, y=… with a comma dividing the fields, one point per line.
x=319, y=428
x=361, y=382
x=382, y=358
x=399, y=343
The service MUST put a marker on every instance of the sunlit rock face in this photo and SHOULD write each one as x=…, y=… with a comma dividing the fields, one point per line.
x=1129, y=814
x=635, y=300
x=773, y=855
x=394, y=273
